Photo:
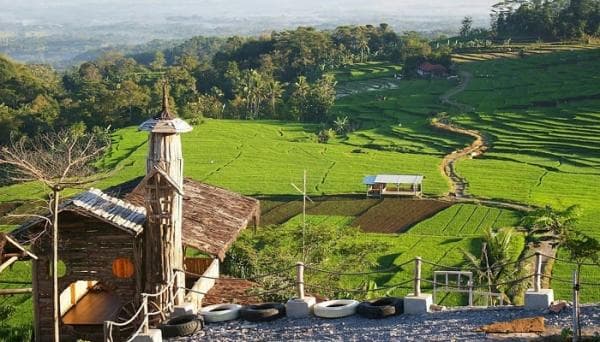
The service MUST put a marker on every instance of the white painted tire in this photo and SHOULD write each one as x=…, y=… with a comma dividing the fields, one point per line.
x=220, y=312
x=335, y=308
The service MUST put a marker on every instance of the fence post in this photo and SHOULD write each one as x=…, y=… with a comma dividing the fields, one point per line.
x=145, y=313
x=300, y=279
x=417, y=287
x=575, y=307
x=537, y=283
x=470, y=285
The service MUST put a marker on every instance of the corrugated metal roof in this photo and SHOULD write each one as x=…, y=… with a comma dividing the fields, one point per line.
x=175, y=125
x=118, y=212
x=94, y=202
x=393, y=179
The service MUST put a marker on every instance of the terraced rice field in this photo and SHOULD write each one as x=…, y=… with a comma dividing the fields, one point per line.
x=440, y=239
x=541, y=114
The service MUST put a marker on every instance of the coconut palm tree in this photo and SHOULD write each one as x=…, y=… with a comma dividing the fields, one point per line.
x=274, y=91
x=493, y=268
x=550, y=220
x=340, y=124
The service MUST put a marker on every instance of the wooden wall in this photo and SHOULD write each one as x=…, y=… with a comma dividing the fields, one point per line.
x=88, y=248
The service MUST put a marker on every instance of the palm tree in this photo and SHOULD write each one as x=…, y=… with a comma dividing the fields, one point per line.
x=550, y=220
x=274, y=91
x=340, y=125
x=493, y=266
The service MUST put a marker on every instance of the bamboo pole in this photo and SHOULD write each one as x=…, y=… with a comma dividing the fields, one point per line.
x=8, y=262
x=300, y=279
x=15, y=291
x=55, y=298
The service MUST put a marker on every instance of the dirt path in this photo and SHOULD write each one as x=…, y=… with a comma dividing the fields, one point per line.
x=476, y=148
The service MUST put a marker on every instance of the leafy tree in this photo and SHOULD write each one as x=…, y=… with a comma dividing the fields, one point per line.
x=159, y=61
x=466, y=26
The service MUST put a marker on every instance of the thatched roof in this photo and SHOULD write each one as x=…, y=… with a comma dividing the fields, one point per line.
x=212, y=217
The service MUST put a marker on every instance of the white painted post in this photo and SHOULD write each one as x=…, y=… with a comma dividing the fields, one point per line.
x=537, y=284
x=417, y=287
x=575, y=307
x=470, y=285
x=300, y=279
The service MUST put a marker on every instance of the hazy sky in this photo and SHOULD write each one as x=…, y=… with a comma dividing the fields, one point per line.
x=90, y=11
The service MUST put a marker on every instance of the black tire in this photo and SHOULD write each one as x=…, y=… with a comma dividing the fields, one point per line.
x=184, y=325
x=381, y=308
x=262, y=312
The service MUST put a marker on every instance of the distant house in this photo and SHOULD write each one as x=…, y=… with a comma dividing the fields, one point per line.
x=428, y=69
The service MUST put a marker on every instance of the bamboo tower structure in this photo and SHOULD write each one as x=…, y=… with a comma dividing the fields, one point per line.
x=162, y=247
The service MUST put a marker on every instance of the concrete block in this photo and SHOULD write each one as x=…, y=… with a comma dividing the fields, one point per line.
x=185, y=309
x=417, y=304
x=299, y=308
x=153, y=335
x=538, y=300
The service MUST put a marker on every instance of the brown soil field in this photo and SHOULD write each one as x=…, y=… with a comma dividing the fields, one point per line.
x=395, y=215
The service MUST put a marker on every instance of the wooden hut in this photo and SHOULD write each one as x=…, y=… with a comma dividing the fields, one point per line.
x=100, y=238
x=112, y=250
x=395, y=185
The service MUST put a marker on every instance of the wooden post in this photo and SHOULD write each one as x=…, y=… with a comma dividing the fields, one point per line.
x=537, y=283
x=417, y=287
x=575, y=307
x=55, y=297
x=300, y=280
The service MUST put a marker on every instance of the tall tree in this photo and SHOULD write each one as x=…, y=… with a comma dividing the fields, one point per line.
x=466, y=26
x=58, y=161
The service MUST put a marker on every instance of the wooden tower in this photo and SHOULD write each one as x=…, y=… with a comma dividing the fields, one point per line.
x=162, y=249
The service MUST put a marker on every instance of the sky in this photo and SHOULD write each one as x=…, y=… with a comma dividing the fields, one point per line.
x=103, y=11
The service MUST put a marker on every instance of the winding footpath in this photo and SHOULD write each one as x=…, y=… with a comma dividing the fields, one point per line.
x=476, y=148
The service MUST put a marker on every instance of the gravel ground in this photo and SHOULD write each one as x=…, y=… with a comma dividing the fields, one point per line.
x=454, y=325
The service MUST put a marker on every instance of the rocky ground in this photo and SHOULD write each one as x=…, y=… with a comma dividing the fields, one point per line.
x=455, y=325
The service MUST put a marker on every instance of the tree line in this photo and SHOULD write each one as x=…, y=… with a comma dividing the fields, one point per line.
x=546, y=19
x=282, y=75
